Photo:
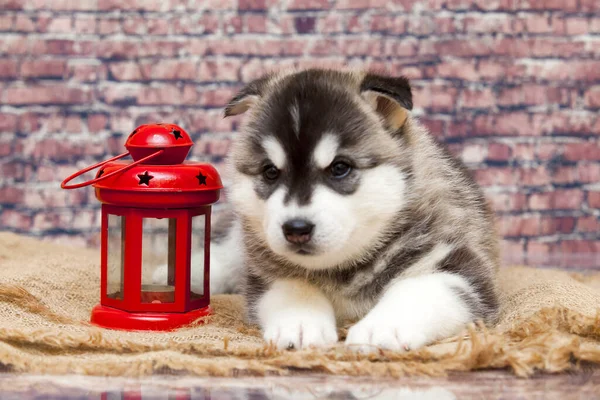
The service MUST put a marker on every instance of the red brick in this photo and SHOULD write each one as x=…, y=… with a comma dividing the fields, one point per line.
x=173, y=70
x=23, y=23
x=160, y=26
x=20, y=220
x=84, y=24
x=435, y=98
x=478, y=98
x=495, y=176
x=13, y=4
x=517, y=226
x=109, y=26
x=488, y=23
x=87, y=72
x=508, y=201
x=8, y=122
x=594, y=199
x=97, y=122
x=29, y=122
x=498, y=152
x=49, y=94
x=537, y=176
x=556, y=225
x=404, y=48
x=216, y=97
x=62, y=24
x=577, y=25
x=133, y=5
x=546, y=5
x=500, y=70
x=252, y=5
x=532, y=95
x=396, y=24
x=588, y=224
x=569, y=122
x=360, y=4
x=565, y=175
x=539, y=250
x=60, y=47
x=513, y=124
x=563, y=70
x=582, y=151
x=43, y=69
x=11, y=195
x=6, y=22
x=8, y=68
x=167, y=94
x=589, y=5
x=308, y=5
x=579, y=246
x=570, y=199
x=458, y=69
x=592, y=97
x=255, y=23
x=534, y=23
x=588, y=173
x=128, y=71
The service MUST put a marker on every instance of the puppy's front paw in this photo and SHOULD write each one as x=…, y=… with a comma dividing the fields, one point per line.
x=391, y=333
x=300, y=330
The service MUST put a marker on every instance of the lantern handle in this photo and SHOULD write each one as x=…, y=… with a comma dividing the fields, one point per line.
x=98, y=179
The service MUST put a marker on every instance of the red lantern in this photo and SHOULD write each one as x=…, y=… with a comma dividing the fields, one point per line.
x=156, y=193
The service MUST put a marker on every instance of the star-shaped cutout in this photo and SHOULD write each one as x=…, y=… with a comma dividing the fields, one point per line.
x=201, y=179
x=145, y=178
x=177, y=133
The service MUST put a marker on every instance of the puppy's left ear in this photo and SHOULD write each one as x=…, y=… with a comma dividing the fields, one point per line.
x=247, y=97
x=391, y=97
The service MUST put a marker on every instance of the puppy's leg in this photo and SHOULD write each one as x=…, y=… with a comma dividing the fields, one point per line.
x=295, y=314
x=414, y=312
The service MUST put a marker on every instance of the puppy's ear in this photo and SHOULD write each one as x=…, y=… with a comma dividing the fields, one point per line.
x=247, y=97
x=391, y=97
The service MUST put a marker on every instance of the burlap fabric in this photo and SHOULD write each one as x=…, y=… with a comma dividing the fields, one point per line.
x=549, y=322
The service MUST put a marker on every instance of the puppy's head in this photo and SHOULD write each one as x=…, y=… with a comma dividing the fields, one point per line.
x=318, y=172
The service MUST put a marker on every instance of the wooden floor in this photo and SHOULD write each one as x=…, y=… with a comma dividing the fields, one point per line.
x=480, y=385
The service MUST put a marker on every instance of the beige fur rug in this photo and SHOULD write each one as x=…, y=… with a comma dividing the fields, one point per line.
x=549, y=322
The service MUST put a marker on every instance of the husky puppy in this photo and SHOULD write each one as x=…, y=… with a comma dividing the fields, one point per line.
x=346, y=208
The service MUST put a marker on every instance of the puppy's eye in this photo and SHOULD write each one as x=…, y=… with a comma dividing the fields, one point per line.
x=340, y=169
x=270, y=172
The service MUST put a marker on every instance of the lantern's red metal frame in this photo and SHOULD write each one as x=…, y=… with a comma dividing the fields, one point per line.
x=110, y=313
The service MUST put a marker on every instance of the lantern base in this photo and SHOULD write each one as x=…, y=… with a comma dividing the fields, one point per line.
x=112, y=318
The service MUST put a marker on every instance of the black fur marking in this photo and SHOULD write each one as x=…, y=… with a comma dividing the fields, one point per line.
x=466, y=263
x=398, y=88
x=254, y=88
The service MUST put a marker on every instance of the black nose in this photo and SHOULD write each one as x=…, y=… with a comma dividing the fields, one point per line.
x=297, y=231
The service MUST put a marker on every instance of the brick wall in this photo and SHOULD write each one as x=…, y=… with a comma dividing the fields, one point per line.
x=512, y=86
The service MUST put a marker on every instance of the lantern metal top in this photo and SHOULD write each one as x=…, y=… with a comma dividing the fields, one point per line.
x=158, y=176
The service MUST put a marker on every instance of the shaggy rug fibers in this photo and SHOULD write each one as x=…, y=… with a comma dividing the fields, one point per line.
x=549, y=322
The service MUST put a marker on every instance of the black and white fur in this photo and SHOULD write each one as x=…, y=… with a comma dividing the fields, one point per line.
x=402, y=239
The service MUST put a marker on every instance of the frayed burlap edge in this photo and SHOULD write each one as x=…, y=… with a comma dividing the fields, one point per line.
x=552, y=340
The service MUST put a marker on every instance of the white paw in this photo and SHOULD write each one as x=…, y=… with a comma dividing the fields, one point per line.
x=373, y=333
x=300, y=330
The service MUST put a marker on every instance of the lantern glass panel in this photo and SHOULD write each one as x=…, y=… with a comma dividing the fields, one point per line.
x=197, y=262
x=158, y=249
x=115, y=256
